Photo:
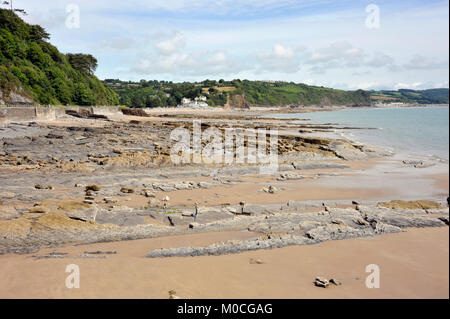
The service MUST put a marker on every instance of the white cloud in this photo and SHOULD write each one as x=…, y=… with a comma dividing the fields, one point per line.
x=419, y=62
x=118, y=43
x=380, y=59
x=413, y=86
x=173, y=44
x=196, y=63
x=279, y=59
x=247, y=38
x=281, y=52
x=337, y=55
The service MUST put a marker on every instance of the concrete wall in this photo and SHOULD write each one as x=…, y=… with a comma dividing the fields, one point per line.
x=17, y=113
x=25, y=114
x=106, y=110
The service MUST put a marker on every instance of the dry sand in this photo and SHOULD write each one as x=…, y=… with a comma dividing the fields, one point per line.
x=413, y=264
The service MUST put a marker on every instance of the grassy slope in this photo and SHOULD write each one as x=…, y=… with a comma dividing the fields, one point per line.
x=430, y=96
x=256, y=93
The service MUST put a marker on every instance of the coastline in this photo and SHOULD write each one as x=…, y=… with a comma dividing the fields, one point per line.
x=319, y=177
x=388, y=128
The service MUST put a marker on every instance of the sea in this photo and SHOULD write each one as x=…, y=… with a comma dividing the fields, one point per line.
x=422, y=131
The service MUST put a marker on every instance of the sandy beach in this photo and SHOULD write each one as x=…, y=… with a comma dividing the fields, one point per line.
x=333, y=207
x=248, y=158
x=413, y=264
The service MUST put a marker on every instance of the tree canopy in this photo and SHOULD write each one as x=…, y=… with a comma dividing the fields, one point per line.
x=85, y=63
x=29, y=63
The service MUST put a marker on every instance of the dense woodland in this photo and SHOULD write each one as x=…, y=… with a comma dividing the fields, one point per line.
x=163, y=93
x=33, y=67
x=264, y=93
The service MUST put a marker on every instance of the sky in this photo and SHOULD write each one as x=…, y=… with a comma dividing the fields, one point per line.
x=347, y=44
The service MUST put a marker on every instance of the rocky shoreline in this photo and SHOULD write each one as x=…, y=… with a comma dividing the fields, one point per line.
x=281, y=230
x=77, y=180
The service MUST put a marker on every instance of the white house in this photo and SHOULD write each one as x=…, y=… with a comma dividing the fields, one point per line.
x=201, y=98
x=199, y=102
x=185, y=100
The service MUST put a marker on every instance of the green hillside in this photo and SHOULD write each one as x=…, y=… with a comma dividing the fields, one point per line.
x=33, y=68
x=430, y=96
x=163, y=93
x=284, y=93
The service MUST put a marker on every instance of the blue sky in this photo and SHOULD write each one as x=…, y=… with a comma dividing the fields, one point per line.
x=320, y=42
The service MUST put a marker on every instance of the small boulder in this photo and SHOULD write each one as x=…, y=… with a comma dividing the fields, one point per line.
x=37, y=210
x=361, y=221
x=335, y=282
x=172, y=294
x=321, y=282
x=148, y=193
x=109, y=200
x=337, y=221
x=445, y=219
x=127, y=190
x=92, y=187
x=153, y=202
x=270, y=189
x=194, y=225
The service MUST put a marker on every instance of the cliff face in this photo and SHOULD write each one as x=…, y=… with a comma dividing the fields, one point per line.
x=236, y=101
x=14, y=98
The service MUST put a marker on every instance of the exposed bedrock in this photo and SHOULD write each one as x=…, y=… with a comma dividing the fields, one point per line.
x=280, y=230
x=273, y=225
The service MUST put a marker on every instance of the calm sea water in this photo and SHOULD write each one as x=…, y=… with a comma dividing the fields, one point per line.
x=416, y=130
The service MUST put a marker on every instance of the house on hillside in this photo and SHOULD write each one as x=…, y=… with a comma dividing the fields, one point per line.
x=198, y=102
x=200, y=98
x=185, y=100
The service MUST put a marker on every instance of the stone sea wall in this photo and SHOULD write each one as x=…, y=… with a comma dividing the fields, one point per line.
x=31, y=113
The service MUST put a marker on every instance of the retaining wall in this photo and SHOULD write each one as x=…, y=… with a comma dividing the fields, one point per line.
x=31, y=113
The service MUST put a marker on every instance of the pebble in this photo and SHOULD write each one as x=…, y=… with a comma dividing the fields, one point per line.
x=256, y=261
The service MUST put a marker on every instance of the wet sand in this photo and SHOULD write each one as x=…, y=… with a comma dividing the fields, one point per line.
x=355, y=183
x=413, y=264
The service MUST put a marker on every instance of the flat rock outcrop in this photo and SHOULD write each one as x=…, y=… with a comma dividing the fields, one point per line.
x=312, y=228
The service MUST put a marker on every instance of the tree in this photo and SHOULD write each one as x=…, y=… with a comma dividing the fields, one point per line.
x=171, y=101
x=84, y=63
x=37, y=56
x=38, y=33
x=10, y=4
x=6, y=3
x=82, y=95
